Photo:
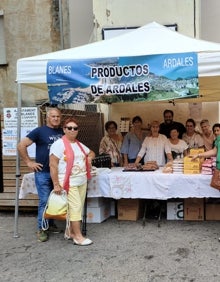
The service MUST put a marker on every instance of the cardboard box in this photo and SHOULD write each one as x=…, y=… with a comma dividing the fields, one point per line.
x=212, y=211
x=175, y=210
x=129, y=209
x=188, y=159
x=191, y=171
x=196, y=151
x=99, y=214
x=193, y=209
x=193, y=165
x=96, y=202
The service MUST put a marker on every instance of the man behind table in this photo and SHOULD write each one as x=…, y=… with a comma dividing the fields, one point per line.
x=168, y=123
x=43, y=137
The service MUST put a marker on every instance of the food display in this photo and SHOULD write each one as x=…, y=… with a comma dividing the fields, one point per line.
x=168, y=168
x=148, y=166
x=208, y=166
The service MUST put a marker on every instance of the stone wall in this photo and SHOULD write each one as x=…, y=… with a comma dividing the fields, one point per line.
x=31, y=28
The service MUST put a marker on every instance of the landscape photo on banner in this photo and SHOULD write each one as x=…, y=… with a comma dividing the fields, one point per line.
x=121, y=79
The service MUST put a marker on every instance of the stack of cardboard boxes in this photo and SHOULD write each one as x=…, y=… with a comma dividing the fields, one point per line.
x=98, y=209
x=193, y=167
x=193, y=209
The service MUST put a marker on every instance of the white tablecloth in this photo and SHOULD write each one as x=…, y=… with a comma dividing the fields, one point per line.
x=117, y=184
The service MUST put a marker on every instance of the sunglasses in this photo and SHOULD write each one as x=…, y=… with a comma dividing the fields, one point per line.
x=75, y=128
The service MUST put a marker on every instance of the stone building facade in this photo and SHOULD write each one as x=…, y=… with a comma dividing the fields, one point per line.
x=31, y=27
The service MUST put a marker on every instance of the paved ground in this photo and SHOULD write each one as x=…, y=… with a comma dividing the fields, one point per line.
x=122, y=252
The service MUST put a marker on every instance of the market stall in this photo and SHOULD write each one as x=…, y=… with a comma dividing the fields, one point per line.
x=151, y=39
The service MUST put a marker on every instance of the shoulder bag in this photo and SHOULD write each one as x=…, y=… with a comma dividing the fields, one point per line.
x=215, y=181
x=56, y=208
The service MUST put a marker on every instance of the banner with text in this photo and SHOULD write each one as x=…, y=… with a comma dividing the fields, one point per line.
x=139, y=78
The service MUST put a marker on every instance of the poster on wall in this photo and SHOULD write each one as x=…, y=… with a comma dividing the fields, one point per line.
x=9, y=142
x=29, y=121
x=195, y=111
x=123, y=79
x=29, y=117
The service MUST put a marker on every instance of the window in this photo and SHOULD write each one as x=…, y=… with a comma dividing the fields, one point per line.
x=112, y=32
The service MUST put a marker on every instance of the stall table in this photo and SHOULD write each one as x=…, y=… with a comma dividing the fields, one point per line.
x=115, y=183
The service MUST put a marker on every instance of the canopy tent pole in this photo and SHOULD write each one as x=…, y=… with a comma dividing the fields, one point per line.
x=18, y=174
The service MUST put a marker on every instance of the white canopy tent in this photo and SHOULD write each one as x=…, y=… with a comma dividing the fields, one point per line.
x=151, y=39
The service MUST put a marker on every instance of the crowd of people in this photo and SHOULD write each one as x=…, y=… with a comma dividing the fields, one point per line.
x=163, y=142
x=62, y=162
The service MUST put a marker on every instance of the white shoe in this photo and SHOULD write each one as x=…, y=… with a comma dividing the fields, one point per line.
x=67, y=237
x=85, y=242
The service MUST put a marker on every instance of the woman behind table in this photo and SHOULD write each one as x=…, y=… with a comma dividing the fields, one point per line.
x=216, y=132
x=70, y=163
x=207, y=134
x=155, y=147
x=192, y=138
x=111, y=143
x=133, y=141
x=216, y=129
x=178, y=146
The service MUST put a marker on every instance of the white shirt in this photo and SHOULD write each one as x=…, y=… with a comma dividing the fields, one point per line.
x=178, y=148
x=155, y=148
x=194, y=141
x=78, y=173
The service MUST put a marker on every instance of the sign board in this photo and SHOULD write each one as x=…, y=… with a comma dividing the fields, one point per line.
x=29, y=121
x=29, y=117
x=9, y=142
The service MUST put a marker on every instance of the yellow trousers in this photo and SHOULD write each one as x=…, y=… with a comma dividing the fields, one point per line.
x=76, y=200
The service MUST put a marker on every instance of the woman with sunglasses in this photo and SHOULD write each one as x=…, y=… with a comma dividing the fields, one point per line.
x=70, y=163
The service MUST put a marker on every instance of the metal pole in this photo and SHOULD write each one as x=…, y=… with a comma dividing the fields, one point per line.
x=17, y=163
